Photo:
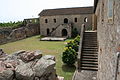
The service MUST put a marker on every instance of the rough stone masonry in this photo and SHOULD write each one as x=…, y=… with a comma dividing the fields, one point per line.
x=27, y=65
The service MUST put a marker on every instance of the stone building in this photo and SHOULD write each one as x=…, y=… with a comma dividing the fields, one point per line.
x=60, y=22
x=31, y=21
x=108, y=32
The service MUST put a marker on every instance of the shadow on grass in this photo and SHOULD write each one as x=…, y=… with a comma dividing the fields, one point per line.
x=67, y=68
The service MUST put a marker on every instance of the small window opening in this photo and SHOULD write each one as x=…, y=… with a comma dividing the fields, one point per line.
x=54, y=20
x=53, y=29
x=65, y=20
x=85, y=19
x=46, y=21
x=75, y=19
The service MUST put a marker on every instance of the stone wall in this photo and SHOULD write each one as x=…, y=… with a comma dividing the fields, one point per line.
x=108, y=38
x=59, y=31
x=60, y=20
x=9, y=34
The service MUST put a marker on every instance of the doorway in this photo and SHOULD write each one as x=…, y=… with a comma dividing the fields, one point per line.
x=64, y=32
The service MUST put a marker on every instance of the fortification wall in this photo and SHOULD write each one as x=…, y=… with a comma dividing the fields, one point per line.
x=10, y=34
x=109, y=39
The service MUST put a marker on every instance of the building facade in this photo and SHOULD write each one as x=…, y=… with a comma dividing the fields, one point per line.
x=60, y=22
x=108, y=29
x=31, y=21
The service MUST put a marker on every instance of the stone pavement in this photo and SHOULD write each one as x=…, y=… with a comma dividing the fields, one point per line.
x=85, y=75
x=53, y=39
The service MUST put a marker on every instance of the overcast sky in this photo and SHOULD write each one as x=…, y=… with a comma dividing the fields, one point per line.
x=17, y=10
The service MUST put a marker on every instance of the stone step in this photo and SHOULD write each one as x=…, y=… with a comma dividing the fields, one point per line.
x=90, y=47
x=89, y=65
x=95, y=55
x=86, y=62
x=85, y=45
x=89, y=60
x=90, y=33
x=89, y=52
x=91, y=69
x=86, y=40
x=89, y=57
x=89, y=36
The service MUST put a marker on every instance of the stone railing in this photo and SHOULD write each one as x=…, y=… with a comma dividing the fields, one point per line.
x=52, y=33
x=80, y=47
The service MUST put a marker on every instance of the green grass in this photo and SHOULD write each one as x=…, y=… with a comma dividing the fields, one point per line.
x=47, y=47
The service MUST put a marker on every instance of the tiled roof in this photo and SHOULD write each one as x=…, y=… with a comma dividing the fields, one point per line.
x=67, y=11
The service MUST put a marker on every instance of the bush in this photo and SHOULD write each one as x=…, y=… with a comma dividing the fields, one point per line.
x=74, y=32
x=73, y=45
x=77, y=40
x=69, y=56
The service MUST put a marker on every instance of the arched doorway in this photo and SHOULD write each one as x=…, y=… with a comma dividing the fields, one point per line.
x=65, y=20
x=64, y=32
x=48, y=31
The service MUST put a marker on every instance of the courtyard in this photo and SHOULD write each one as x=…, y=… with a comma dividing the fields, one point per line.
x=47, y=48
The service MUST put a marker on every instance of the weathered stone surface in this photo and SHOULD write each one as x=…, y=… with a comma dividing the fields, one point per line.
x=60, y=22
x=28, y=56
x=11, y=34
x=48, y=57
x=27, y=65
x=2, y=54
x=7, y=75
x=108, y=38
x=44, y=66
x=24, y=71
x=85, y=75
x=6, y=71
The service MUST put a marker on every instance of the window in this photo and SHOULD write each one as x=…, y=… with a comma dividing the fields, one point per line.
x=102, y=13
x=48, y=31
x=30, y=21
x=75, y=19
x=35, y=21
x=46, y=21
x=54, y=20
x=85, y=19
x=65, y=20
x=110, y=11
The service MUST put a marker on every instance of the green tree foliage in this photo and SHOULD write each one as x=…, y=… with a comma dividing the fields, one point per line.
x=74, y=32
x=69, y=56
x=12, y=24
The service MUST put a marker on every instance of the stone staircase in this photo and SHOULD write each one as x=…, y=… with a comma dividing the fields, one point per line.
x=89, y=51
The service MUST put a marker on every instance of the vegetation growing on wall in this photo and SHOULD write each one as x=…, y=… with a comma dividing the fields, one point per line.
x=11, y=24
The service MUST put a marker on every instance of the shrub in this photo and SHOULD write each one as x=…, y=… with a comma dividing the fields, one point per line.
x=69, y=56
x=74, y=32
x=73, y=45
x=77, y=40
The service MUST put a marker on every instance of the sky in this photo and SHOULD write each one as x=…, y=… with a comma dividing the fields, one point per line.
x=18, y=10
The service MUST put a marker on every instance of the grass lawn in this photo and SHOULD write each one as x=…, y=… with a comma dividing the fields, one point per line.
x=47, y=47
